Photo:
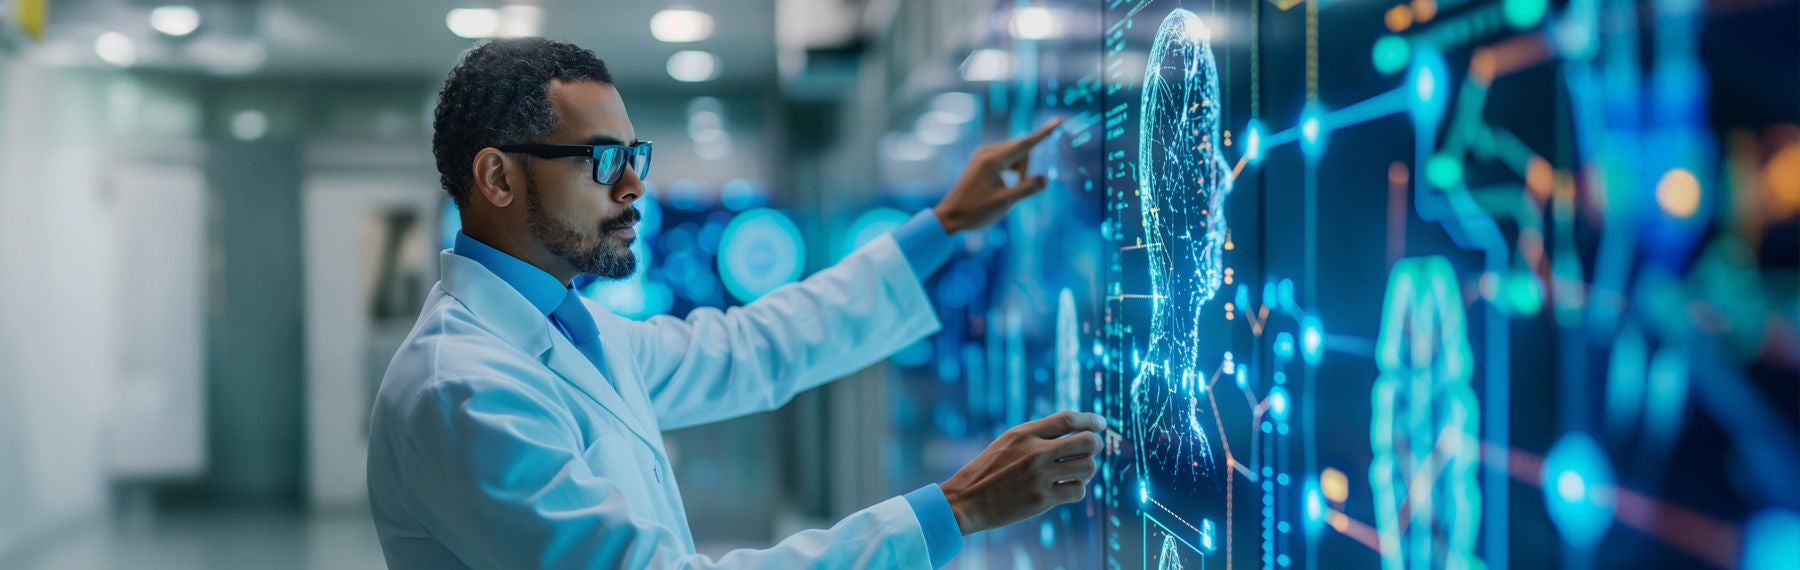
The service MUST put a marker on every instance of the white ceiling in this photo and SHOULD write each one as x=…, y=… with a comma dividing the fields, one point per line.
x=409, y=38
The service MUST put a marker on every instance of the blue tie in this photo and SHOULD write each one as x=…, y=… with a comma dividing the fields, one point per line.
x=578, y=323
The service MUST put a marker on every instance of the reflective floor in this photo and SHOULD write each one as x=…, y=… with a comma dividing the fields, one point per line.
x=204, y=540
x=235, y=540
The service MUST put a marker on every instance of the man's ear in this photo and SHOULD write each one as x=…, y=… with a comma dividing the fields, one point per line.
x=493, y=173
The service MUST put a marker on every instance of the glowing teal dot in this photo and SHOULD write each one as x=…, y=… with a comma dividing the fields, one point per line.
x=1522, y=292
x=1578, y=489
x=1047, y=534
x=1525, y=13
x=1312, y=340
x=1253, y=141
x=1315, y=506
x=1443, y=172
x=1278, y=403
x=1312, y=131
x=1391, y=54
x=1425, y=83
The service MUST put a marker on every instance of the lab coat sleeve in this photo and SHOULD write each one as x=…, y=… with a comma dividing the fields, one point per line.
x=496, y=474
x=715, y=365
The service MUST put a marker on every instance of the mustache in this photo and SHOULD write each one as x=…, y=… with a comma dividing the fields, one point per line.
x=626, y=219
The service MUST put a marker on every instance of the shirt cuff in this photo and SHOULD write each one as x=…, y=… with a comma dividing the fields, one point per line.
x=943, y=537
x=924, y=243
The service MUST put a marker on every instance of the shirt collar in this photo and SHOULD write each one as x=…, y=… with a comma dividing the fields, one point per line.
x=538, y=287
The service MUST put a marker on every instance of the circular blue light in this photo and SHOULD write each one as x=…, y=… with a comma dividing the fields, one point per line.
x=1284, y=345
x=1047, y=534
x=868, y=226
x=739, y=194
x=1278, y=403
x=1312, y=340
x=1313, y=131
x=760, y=250
x=1429, y=81
x=1315, y=506
x=1579, y=489
x=1253, y=141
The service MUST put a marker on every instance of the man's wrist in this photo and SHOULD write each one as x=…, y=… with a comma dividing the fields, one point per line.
x=951, y=222
x=959, y=506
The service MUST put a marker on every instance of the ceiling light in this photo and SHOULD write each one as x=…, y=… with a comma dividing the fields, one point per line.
x=905, y=147
x=1034, y=23
x=987, y=65
x=681, y=26
x=472, y=23
x=175, y=20
x=937, y=128
x=693, y=66
x=115, y=48
x=249, y=125
x=957, y=106
x=519, y=21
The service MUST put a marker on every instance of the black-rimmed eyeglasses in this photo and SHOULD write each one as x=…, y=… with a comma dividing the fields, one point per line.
x=609, y=159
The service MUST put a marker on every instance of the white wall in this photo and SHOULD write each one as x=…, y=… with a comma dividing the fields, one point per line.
x=348, y=187
x=58, y=242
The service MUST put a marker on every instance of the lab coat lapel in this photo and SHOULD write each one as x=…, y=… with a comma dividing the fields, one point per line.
x=575, y=368
x=510, y=317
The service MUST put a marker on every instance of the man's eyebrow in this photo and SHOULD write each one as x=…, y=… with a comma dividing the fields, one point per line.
x=597, y=140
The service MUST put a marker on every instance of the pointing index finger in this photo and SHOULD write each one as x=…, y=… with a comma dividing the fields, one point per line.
x=1020, y=147
x=1065, y=423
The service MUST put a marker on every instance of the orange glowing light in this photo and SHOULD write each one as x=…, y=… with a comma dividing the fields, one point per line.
x=1335, y=485
x=1679, y=193
x=1424, y=10
x=1399, y=18
x=1782, y=177
x=1539, y=177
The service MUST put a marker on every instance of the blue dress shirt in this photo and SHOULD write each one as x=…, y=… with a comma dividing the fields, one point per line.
x=924, y=244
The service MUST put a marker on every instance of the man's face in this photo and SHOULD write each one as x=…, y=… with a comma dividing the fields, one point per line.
x=585, y=224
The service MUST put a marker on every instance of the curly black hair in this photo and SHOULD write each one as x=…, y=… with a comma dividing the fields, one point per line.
x=499, y=95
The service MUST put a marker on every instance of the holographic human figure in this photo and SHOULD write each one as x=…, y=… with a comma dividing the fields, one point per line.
x=1423, y=422
x=1183, y=181
x=1169, y=558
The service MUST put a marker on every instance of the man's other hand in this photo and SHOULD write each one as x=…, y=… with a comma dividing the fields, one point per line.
x=981, y=197
x=1030, y=468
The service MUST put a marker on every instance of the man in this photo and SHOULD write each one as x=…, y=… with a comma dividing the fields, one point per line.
x=520, y=426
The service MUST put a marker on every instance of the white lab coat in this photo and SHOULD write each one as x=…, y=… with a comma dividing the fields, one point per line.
x=495, y=443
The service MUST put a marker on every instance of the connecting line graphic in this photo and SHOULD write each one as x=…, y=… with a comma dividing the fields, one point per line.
x=1689, y=531
x=1392, y=102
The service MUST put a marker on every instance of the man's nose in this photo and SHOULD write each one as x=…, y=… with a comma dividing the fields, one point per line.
x=629, y=188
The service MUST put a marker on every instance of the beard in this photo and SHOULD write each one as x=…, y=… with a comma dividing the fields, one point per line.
x=605, y=257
